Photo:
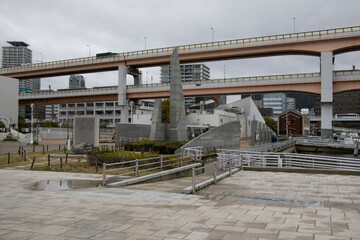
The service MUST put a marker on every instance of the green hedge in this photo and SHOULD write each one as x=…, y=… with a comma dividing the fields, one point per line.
x=160, y=147
x=106, y=156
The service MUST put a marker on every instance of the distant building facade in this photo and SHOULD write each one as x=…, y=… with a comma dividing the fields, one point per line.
x=19, y=54
x=76, y=81
x=297, y=123
x=347, y=102
x=290, y=103
x=188, y=72
x=276, y=101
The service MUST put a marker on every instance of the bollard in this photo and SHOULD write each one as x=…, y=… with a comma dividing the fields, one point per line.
x=24, y=155
x=19, y=150
x=34, y=148
x=8, y=158
x=59, y=147
x=214, y=172
x=43, y=149
x=66, y=157
x=230, y=170
x=22, y=151
x=104, y=174
x=96, y=165
x=32, y=164
x=60, y=164
x=241, y=162
x=47, y=148
x=49, y=160
x=137, y=168
x=193, y=181
x=161, y=162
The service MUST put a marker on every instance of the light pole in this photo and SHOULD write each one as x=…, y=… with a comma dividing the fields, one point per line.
x=294, y=25
x=145, y=42
x=224, y=71
x=212, y=34
x=89, y=50
x=42, y=57
x=32, y=122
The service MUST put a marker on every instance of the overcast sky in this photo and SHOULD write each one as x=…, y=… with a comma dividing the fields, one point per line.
x=57, y=30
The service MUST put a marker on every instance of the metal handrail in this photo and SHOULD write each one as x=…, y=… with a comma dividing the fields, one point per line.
x=187, y=48
x=164, y=161
x=287, y=160
x=213, y=172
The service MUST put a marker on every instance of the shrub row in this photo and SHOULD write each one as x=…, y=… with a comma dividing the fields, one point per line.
x=106, y=156
x=160, y=147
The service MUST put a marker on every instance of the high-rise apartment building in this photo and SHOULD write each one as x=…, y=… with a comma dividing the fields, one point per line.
x=19, y=54
x=188, y=72
x=276, y=101
x=76, y=81
x=290, y=103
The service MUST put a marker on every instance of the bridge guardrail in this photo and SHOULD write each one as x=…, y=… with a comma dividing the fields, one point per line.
x=244, y=80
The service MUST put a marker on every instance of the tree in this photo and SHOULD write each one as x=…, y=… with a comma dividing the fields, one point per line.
x=2, y=125
x=165, y=111
x=270, y=122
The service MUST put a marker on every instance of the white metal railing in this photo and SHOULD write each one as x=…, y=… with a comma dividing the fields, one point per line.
x=348, y=31
x=148, y=164
x=285, y=160
x=210, y=170
x=196, y=152
x=143, y=165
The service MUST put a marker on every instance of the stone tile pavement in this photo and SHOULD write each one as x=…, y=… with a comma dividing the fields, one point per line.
x=248, y=205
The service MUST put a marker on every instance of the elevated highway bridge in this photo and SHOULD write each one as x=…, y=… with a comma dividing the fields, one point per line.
x=305, y=83
x=325, y=44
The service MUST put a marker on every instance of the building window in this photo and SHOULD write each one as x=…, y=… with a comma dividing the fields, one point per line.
x=293, y=121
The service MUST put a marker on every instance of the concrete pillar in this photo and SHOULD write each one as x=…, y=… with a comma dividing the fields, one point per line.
x=157, y=131
x=123, y=70
x=326, y=94
x=178, y=131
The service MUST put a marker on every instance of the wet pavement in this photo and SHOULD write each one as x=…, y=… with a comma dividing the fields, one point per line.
x=247, y=205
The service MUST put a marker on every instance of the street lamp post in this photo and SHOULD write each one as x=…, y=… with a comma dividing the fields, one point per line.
x=145, y=42
x=89, y=50
x=294, y=25
x=32, y=122
x=212, y=34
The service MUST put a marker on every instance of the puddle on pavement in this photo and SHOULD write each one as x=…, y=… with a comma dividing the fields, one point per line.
x=58, y=185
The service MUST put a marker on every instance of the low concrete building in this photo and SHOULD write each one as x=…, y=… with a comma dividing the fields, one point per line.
x=297, y=123
x=215, y=119
x=247, y=108
x=9, y=100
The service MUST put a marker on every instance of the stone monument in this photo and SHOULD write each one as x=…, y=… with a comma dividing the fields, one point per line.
x=86, y=131
x=176, y=130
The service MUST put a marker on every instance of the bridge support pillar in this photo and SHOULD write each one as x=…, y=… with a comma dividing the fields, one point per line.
x=326, y=94
x=122, y=101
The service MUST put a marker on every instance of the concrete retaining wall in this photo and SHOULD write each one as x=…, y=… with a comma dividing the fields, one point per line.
x=131, y=131
x=225, y=136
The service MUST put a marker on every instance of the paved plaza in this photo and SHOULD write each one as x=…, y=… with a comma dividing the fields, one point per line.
x=248, y=205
